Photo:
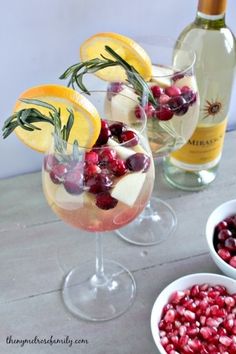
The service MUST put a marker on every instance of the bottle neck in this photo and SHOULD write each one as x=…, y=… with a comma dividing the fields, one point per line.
x=206, y=21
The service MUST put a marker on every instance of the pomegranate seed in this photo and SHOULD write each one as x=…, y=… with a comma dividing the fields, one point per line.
x=189, y=315
x=164, y=341
x=194, y=291
x=225, y=340
x=169, y=348
x=138, y=162
x=91, y=157
x=164, y=113
x=157, y=91
x=206, y=332
x=195, y=344
x=177, y=296
x=224, y=254
x=173, y=91
x=174, y=340
x=170, y=315
x=232, y=261
x=212, y=322
x=58, y=173
x=221, y=226
x=192, y=332
x=182, y=330
x=183, y=340
x=105, y=201
x=229, y=300
x=129, y=137
x=203, y=320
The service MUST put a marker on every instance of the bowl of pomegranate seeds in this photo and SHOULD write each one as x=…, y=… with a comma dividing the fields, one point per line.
x=196, y=314
x=221, y=237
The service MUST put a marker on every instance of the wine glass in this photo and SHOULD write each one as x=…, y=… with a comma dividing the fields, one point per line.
x=87, y=188
x=170, y=123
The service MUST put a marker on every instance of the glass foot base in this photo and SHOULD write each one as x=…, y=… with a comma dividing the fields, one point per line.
x=94, y=301
x=157, y=222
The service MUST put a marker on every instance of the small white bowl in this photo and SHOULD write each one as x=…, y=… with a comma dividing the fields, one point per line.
x=181, y=284
x=220, y=213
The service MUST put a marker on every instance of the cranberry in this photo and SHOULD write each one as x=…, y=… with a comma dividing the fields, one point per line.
x=224, y=234
x=91, y=157
x=58, y=173
x=221, y=226
x=105, y=201
x=113, y=89
x=230, y=244
x=104, y=135
x=178, y=105
x=129, y=137
x=224, y=254
x=148, y=109
x=73, y=182
x=99, y=183
x=164, y=113
x=117, y=129
x=232, y=261
x=118, y=167
x=177, y=76
x=189, y=95
x=157, y=91
x=138, y=162
x=49, y=161
x=91, y=170
x=107, y=155
x=172, y=91
x=164, y=99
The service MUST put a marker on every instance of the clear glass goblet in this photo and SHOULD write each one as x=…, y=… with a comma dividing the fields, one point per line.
x=100, y=189
x=170, y=123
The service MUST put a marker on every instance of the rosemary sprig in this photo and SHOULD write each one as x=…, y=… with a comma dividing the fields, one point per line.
x=76, y=72
x=26, y=117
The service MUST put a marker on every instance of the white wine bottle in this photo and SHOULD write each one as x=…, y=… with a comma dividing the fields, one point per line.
x=195, y=165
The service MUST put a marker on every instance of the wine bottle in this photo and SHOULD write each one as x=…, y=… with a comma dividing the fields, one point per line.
x=195, y=165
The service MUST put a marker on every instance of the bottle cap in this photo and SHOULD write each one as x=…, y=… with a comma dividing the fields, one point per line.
x=212, y=7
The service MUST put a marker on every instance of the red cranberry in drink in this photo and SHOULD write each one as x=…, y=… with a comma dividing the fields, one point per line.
x=129, y=137
x=148, y=109
x=157, y=91
x=91, y=170
x=107, y=155
x=164, y=113
x=138, y=162
x=178, y=105
x=104, y=135
x=172, y=91
x=177, y=76
x=188, y=94
x=118, y=167
x=164, y=99
x=58, y=173
x=117, y=129
x=105, y=201
x=232, y=262
x=99, y=183
x=91, y=157
x=113, y=89
x=49, y=161
x=73, y=182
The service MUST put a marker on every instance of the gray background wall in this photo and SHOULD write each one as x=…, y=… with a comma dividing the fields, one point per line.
x=39, y=39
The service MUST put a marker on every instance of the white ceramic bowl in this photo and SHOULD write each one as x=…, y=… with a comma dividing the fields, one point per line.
x=220, y=213
x=182, y=284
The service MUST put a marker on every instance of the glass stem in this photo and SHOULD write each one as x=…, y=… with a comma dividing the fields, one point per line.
x=99, y=279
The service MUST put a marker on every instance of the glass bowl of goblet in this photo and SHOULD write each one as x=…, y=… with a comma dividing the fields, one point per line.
x=172, y=115
x=100, y=189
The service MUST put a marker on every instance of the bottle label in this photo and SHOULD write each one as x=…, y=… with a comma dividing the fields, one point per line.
x=203, y=148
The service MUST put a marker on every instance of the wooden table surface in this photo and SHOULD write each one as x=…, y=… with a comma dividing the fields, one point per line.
x=37, y=250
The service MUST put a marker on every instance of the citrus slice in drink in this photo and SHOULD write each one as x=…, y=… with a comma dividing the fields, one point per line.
x=127, y=48
x=87, y=122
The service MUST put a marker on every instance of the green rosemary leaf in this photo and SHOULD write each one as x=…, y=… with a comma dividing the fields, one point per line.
x=38, y=103
x=9, y=121
x=7, y=132
x=69, y=124
x=75, y=150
